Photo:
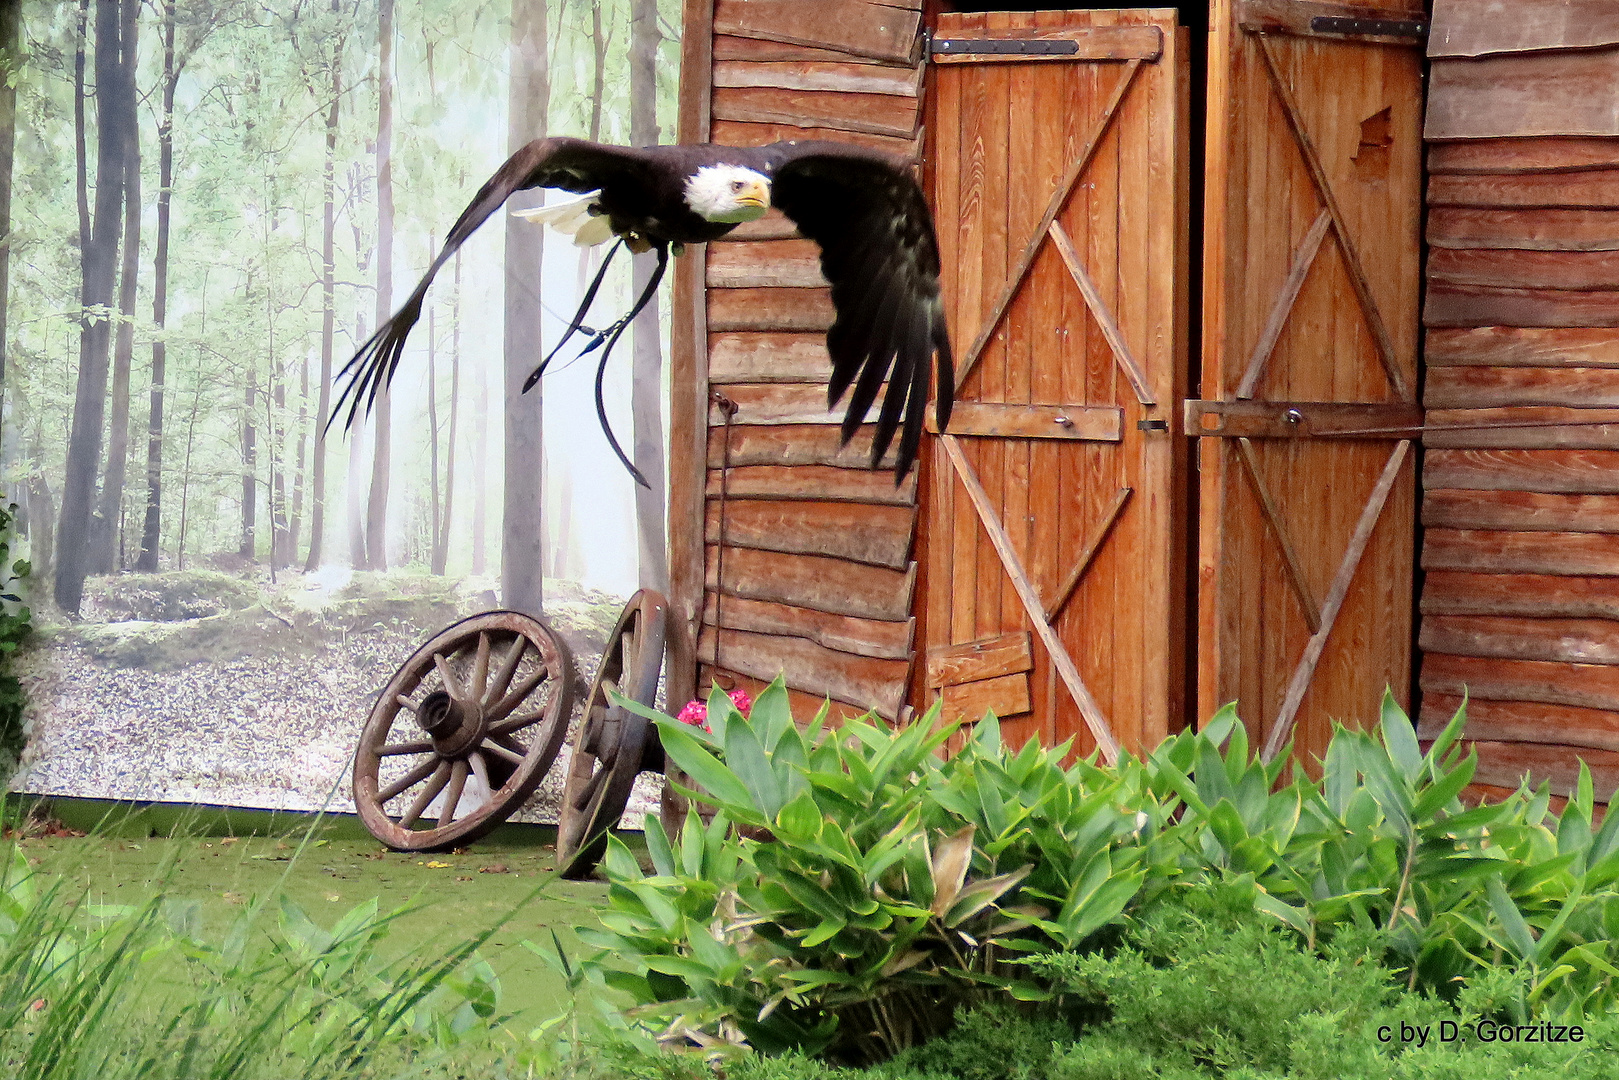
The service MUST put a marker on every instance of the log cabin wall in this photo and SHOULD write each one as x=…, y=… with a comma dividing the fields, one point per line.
x=1520, y=604
x=787, y=554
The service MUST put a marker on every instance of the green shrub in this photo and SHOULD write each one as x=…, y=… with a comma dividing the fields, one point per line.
x=16, y=625
x=894, y=887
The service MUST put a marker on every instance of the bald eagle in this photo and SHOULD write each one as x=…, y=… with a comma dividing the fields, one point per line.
x=862, y=207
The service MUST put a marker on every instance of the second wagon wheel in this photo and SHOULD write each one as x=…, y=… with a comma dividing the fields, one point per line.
x=464, y=732
x=613, y=745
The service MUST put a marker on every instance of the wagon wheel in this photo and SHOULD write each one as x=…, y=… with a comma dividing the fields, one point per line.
x=613, y=745
x=464, y=732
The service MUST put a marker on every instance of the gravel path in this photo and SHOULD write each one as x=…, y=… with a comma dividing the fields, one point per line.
x=271, y=727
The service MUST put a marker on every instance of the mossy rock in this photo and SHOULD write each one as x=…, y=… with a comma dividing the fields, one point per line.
x=167, y=646
x=170, y=596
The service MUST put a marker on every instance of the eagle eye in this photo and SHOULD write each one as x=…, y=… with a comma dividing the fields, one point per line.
x=736, y=185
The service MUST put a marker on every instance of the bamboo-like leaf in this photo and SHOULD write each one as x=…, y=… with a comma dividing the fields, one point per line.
x=1295, y=917
x=979, y=895
x=1520, y=940
x=1443, y=791
x=703, y=767
x=1400, y=737
x=657, y=846
x=950, y=863
x=799, y=820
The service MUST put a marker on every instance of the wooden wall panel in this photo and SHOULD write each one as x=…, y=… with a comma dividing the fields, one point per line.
x=1520, y=605
x=816, y=575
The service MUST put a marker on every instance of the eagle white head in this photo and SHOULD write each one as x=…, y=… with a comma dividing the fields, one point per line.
x=728, y=193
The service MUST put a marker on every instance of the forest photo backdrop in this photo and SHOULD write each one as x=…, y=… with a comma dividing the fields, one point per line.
x=211, y=204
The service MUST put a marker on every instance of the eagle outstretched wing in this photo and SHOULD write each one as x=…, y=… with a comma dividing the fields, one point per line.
x=878, y=251
x=570, y=164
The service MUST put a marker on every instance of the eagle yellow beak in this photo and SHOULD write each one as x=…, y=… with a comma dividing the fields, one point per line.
x=756, y=194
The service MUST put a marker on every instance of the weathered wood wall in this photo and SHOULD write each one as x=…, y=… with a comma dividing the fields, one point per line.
x=788, y=554
x=1520, y=606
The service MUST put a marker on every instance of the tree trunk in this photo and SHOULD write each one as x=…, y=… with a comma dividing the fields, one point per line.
x=356, y=481
x=441, y=540
x=10, y=59
x=151, y=526
x=432, y=430
x=522, y=546
x=301, y=440
x=376, y=516
x=250, y=459
x=646, y=386
x=328, y=317
x=98, y=260
x=185, y=475
x=275, y=423
x=104, y=549
x=480, y=476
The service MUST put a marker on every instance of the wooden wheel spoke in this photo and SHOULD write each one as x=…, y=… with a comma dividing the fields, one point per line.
x=480, y=769
x=452, y=685
x=480, y=667
x=452, y=795
x=583, y=797
x=503, y=678
x=405, y=702
x=516, y=723
x=418, y=746
x=515, y=696
x=414, y=776
x=501, y=752
x=441, y=776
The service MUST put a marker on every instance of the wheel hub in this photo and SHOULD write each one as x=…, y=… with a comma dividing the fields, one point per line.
x=455, y=726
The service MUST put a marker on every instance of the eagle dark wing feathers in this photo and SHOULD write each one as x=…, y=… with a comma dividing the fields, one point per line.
x=878, y=251
x=570, y=164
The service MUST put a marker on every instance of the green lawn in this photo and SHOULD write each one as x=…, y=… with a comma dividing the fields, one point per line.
x=453, y=895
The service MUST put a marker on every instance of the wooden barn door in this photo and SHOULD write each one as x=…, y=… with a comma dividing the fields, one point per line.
x=1311, y=288
x=1051, y=537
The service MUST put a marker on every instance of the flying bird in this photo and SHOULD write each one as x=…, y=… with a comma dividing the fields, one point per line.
x=862, y=207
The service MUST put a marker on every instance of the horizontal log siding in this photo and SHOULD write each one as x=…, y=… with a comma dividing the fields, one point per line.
x=1520, y=601
x=817, y=574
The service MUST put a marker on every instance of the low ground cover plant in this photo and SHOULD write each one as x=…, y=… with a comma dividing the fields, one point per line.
x=138, y=990
x=892, y=888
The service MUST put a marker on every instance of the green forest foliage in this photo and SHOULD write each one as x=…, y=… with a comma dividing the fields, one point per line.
x=245, y=312
x=16, y=624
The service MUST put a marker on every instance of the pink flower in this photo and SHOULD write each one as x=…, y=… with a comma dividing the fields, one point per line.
x=696, y=713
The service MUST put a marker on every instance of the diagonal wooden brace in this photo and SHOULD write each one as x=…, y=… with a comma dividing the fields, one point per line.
x=1059, y=199
x=1060, y=660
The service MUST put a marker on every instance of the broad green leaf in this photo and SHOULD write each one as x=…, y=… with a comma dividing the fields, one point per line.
x=657, y=846
x=1519, y=937
x=1400, y=737
x=1295, y=917
x=748, y=761
x=950, y=862
x=703, y=767
x=1439, y=796
x=799, y=821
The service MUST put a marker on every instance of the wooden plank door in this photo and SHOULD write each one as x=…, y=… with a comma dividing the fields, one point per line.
x=1311, y=287
x=1050, y=540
